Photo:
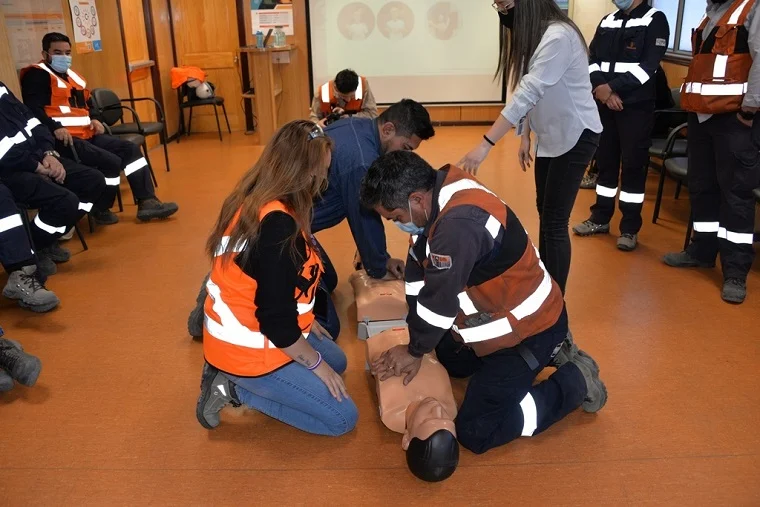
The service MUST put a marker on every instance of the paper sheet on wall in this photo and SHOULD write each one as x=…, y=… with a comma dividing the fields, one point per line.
x=27, y=21
x=266, y=14
x=84, y=16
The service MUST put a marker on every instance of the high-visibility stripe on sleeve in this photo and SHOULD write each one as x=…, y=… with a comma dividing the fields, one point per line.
x=135, y=166
x=85, y=206
x=31, y=125
x=493, y=226
x=594, y=67
x=631, y=198
x=633, y=68
x=738, y=238
x=413, y=288
x=434, y=319
x=466, y=304
x=3, y=91
x=11, y=222
x=530, y=415
x=708, y=227
x=606, y=191
x=114, y=182
x=50, y=229
x=9, y=142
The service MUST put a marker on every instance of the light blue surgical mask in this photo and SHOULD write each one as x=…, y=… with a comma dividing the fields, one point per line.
x=623, y=5
x=410, y=227
x=60, y=63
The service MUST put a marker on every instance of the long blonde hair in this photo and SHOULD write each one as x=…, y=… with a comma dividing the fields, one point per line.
x=290, y=170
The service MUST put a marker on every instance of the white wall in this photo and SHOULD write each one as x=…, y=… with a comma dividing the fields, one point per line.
x=588, y=13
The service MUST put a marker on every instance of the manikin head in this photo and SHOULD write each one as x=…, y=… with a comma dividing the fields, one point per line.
x=399, y=186
x=56, y=51
x=403, y=126
x=432, y=451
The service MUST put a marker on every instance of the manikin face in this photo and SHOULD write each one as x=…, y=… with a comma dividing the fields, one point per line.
x=425, y=419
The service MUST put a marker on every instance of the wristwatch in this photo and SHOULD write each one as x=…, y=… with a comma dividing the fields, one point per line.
x=747, y=115
x=52, y=153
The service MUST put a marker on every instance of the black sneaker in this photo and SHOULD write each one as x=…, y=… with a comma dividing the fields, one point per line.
x=22, y=367
x=153, y=209
x=734, y=291
x=685, y=260
x=589, y=228
x=216, y=392
x=104, y=217
x=195, y=321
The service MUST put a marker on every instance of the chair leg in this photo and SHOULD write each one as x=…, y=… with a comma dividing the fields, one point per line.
x=91, y=223
x=81, y=238
x=218, y=127
x=150, y=166
x=28, y=227
x=226, y=119
x=118, y=199
x=190, y=123
x=678, y=189
x=165, y=140
x=658, y=200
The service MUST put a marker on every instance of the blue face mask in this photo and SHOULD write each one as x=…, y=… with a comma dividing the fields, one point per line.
x=409, y=227
x=60, y=63
x=623, y=5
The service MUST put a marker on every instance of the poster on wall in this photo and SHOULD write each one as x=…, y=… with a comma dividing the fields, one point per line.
x=27, y=21
x=84, y=17
x=266, y=14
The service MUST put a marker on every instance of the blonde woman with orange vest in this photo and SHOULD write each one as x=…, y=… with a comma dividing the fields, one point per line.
x=722, y=91
x=262, y=346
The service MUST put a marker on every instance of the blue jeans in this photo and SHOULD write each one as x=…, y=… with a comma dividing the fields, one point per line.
x=297, y=397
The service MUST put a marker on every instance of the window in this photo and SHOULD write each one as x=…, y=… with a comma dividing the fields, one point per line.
x=683, y=17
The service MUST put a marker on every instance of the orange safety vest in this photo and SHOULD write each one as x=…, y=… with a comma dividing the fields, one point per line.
x=76, y=120
x=329, y=101
x=719, y=71
x=181, y=75
x=232, y=338
x=512, y=304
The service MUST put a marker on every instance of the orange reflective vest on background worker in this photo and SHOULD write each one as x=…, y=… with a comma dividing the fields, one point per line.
x=500, y=307
x=76, y=120
x=329, y=101
x=719, y=71
x=181, y=75
x=232, y=339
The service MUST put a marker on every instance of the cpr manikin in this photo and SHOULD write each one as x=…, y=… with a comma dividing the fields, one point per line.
x=424, y=411
x=380, y=304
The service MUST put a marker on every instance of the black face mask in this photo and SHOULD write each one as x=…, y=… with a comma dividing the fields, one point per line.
x=508, y=19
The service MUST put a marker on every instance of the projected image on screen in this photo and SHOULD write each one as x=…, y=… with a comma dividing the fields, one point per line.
x=356, y=21
x=396, y=20
x=433, y=51
x=443, y=20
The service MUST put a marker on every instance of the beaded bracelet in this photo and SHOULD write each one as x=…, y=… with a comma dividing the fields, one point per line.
x=316, y=365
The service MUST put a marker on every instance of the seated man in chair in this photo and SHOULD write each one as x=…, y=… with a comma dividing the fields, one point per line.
x=38, y=177
x=60, y=99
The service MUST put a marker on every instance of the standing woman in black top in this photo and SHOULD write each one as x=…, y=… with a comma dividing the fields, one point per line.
x=262, y=345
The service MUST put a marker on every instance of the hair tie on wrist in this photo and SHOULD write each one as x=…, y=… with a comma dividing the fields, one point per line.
x=316, y=365
x=488, y=140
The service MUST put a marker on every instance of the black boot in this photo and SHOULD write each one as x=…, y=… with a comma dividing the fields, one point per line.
x=22, y=367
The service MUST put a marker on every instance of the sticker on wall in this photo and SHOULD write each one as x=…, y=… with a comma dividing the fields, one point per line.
x=86, y=26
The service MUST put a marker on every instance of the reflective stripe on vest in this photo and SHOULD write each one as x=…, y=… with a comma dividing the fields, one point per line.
x=621, y=68
x=610, y=22
x=3, y=91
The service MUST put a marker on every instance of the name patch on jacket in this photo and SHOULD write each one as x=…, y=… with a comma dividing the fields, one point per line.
x=661, y=42
x=440, y=261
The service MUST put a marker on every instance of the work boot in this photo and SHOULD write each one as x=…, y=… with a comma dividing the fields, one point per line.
x=596, y=391
x=734, y=291
x=25, y=287
x=195, y=321
x=589, y=228
x=589, y=181
x=46, y=267
x=216, y=392
x=104, y=217
x=22, y=367
x=685, y=260
x=6, y=381
x=569, y=351
x=55, y=252
x=150, y=209
x=627, y=242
